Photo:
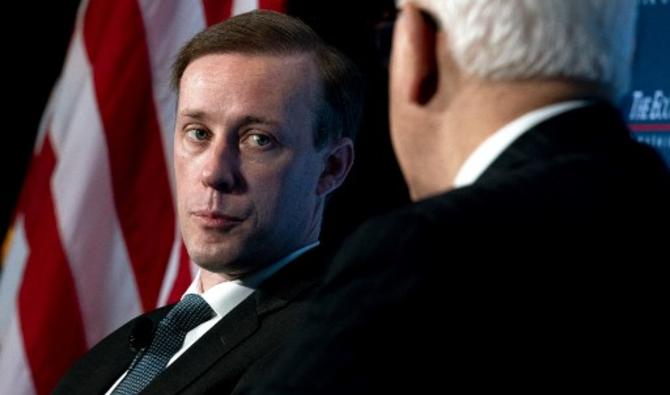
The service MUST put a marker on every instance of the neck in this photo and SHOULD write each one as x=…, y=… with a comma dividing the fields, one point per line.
x=209, y=279
x=482, y=108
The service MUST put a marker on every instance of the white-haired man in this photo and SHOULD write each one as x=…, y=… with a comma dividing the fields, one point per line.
x=527, y=260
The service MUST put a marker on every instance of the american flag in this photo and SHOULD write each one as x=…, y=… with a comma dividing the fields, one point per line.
x=94, y=240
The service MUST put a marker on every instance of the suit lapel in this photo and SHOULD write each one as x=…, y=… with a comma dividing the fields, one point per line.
x=291, y=281
x=106, y=362
x=238, y=325
x=97, y=375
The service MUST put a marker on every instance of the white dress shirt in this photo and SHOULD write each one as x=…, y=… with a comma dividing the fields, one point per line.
x=482, y=157
x=223, y=298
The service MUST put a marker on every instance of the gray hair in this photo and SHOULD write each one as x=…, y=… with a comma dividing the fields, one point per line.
x=583, y=40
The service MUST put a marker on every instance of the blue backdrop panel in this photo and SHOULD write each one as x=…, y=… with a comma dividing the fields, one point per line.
x=647, y=105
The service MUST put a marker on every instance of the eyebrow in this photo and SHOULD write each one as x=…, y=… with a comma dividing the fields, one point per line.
x=249, y=119
x=197, y=115
x=246, y=120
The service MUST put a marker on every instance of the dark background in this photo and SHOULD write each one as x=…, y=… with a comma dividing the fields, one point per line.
x=362, y=30
x=36, y=40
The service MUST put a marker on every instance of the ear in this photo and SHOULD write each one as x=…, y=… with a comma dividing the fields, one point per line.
x=336, y=165
x=413, y=60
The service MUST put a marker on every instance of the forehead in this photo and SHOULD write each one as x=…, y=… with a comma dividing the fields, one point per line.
x=233, y=81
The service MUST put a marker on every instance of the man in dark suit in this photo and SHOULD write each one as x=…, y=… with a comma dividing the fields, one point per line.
x=533, y=255
x=265, y=121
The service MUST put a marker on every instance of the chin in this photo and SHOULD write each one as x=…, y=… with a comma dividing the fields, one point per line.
x=210, y=259
x=211, y=256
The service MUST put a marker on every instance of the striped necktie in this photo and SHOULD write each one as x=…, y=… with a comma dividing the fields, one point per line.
x=190, y=312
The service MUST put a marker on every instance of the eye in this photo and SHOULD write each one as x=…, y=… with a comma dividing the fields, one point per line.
x=260, y=140
x=197, y=134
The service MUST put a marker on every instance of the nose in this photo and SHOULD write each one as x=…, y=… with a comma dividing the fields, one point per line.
x=221, y=170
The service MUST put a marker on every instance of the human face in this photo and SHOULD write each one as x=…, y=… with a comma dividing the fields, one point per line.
x=245, y=163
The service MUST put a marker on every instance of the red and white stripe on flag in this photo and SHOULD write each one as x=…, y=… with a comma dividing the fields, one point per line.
x=95, y=240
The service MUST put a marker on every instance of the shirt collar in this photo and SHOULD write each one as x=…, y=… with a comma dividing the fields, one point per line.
x=494, y=145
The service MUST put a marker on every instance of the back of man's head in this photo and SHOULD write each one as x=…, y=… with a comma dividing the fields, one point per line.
x=587, y=41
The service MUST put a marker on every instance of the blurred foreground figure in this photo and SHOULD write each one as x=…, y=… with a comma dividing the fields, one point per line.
x=527, y=260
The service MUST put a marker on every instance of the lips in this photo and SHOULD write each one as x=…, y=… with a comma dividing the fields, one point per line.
x=215, y=219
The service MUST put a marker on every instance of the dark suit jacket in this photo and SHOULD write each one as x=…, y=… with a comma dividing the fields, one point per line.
x=546, y=273
x=244, y=337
